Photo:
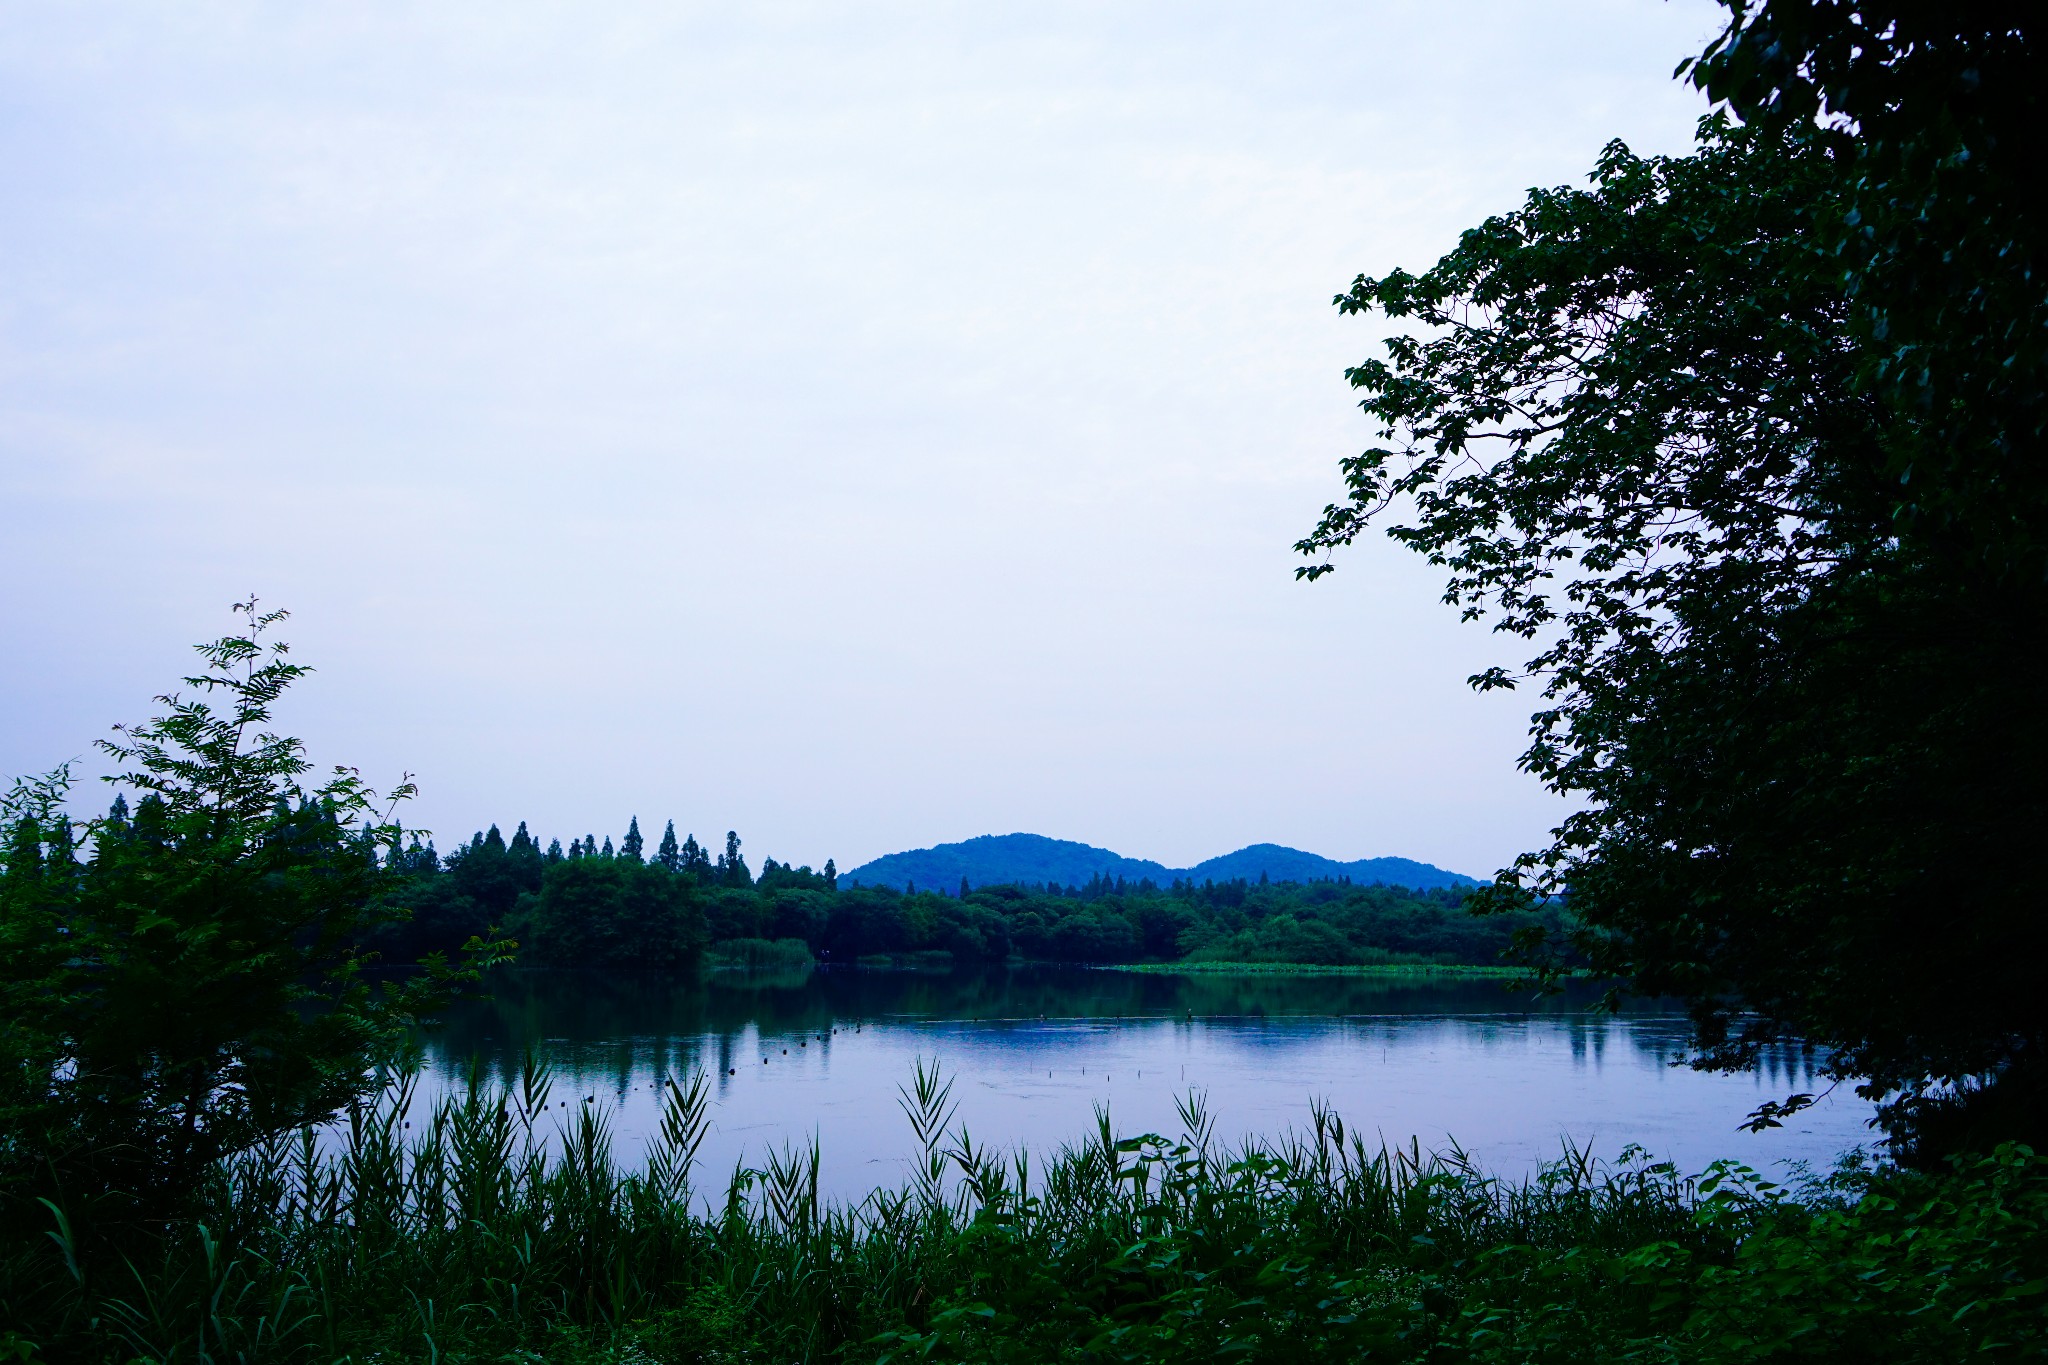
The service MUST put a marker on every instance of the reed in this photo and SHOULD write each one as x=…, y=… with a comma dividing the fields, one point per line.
x=758, y=953
x=496, y=1224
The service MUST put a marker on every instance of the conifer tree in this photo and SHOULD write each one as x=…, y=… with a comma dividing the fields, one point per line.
x=831, y=875
x=695, y=859
x=668, y=855
x=607, y=853
x=555, y=854
x=732, y=868
x=630, y=847
x=493, y=840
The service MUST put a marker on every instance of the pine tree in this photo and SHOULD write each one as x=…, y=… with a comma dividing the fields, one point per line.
x=555, y=854
x=695, y=859
x=669, y=855
x=632, y=844
x=607, y=848
x=493, y=841
x=963, y=888
x=521, y=840
x=831, y=875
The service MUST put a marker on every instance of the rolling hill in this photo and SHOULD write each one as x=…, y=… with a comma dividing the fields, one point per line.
x=993, y=859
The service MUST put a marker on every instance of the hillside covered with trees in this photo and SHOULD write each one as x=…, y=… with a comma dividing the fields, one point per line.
x=1031, y=859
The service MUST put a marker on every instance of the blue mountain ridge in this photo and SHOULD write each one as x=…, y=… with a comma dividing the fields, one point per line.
x=996, y=859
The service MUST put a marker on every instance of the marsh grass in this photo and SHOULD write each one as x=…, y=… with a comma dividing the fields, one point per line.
x=495, y=1224
x=755, y=954
x=1203, y=967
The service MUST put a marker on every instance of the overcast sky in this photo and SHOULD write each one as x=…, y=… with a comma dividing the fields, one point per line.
x=859, y=425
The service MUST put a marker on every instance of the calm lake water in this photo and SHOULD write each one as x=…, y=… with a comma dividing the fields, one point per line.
x=1035, y=1050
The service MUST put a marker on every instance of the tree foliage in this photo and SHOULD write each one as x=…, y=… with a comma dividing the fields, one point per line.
x=1780, y=611
x=180, y=983
x=1935, y=238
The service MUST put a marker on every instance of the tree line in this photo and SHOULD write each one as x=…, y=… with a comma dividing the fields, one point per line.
x=601, y=904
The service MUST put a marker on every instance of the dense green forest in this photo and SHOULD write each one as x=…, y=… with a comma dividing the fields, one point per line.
x=600, y=904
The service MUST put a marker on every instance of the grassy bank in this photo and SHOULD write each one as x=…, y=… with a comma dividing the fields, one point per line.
x=498, y=1227
x=1386, y=969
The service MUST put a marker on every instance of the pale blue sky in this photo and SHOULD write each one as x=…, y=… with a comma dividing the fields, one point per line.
x=860, y=425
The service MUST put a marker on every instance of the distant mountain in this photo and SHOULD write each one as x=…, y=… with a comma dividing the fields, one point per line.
x=994, y=859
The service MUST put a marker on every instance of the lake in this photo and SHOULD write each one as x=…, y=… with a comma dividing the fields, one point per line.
x=1034, y=1050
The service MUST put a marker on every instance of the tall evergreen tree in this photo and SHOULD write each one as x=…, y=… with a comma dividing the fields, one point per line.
x=555, y=854
x=630, y=847
x=695, y=859
x=669, y=854
x=732, y=868
x=831, y=875
x=607, y=853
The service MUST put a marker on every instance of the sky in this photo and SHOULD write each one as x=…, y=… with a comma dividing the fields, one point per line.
x=858, y=425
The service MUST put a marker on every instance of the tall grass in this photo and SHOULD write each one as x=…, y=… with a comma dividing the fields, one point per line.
x=1196, y=966
x=495, y=1224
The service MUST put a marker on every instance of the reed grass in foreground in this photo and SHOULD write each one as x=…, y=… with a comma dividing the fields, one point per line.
x=490, y=1230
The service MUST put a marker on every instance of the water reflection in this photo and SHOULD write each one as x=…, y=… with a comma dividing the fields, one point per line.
x=1036, y=1049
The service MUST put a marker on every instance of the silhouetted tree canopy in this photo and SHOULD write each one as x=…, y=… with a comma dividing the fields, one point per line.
x=1752, y=461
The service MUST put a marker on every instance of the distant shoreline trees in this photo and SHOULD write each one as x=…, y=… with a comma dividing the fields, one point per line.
x=589, y=907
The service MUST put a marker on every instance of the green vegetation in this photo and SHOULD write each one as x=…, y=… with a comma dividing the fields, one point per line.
x=181, y=983
x=1394, y=969
x=756, y=954
x=1747, y=446
x=593, y=905
x=497, y=1227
